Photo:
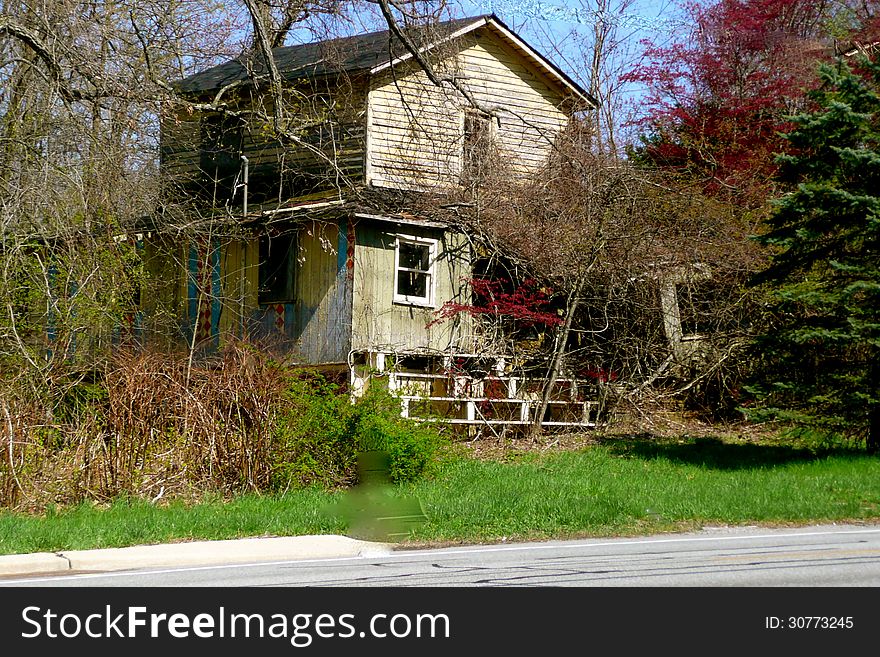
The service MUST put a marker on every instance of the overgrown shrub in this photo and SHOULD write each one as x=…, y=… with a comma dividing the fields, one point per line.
x=144, y=424
x=313, y=436
x=320, y=433
x=159, y=426
x=411, y=446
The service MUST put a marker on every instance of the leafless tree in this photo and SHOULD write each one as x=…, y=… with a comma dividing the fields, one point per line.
x=610, y=239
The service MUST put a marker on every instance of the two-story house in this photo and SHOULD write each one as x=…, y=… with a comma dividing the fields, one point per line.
x=302, y=244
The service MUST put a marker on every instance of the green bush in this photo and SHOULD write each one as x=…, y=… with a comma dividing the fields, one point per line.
x=151, y=424
x=311, y=436
x=411, y=446
x=320, y=432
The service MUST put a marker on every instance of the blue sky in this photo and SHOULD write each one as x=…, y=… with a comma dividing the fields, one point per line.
x=556, y=28
x=565, y=42
x=653, y=19
x=561, y=31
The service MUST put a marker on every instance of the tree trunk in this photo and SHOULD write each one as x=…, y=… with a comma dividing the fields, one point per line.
x=558, y=355
x=872, y=441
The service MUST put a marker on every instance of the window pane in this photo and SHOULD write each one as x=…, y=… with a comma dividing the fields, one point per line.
x=412, y=284
x=414, y=256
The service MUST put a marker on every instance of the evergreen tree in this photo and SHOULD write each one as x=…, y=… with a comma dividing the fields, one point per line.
x=819, y=360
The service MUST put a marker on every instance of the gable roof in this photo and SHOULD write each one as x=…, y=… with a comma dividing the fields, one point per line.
x=369, y=53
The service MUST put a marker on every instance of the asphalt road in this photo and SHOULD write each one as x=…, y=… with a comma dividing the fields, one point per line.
x=840, y=556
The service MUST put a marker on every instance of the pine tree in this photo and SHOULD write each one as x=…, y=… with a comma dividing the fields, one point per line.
x=819, y=360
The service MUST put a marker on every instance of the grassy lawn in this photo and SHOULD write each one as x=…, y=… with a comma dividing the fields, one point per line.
x=619, y=487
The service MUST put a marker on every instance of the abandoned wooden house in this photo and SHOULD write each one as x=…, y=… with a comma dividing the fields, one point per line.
x=301, y=242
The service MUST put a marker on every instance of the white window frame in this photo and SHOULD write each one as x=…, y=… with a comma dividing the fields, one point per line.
x=426, y=301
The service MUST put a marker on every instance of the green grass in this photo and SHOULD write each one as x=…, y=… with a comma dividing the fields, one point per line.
x=137, y=522
x=642, y=487
x=624, y=487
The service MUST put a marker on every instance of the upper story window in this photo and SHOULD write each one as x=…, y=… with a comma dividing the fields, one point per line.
x=277, y=258
x=414, y=276
x=476, y=145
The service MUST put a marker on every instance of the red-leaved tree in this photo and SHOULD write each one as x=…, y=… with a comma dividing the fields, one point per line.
x=526, y=305
x=720, y=95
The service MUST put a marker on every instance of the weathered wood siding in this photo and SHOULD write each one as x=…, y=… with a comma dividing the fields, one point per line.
x=329, y=127
x=205, y=292
x=316, y=326
x=415, y=129
x=239, y=278
x=322, y=312
x=164, y=292
x=197, y=293
x=378, y=323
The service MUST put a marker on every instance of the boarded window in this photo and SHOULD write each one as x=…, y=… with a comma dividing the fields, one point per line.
x=277, y=257
x=414, y=271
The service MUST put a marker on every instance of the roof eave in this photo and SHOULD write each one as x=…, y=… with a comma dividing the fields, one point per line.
x=563, y=80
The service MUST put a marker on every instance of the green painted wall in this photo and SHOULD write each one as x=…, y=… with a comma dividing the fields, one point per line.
x=380, y=324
